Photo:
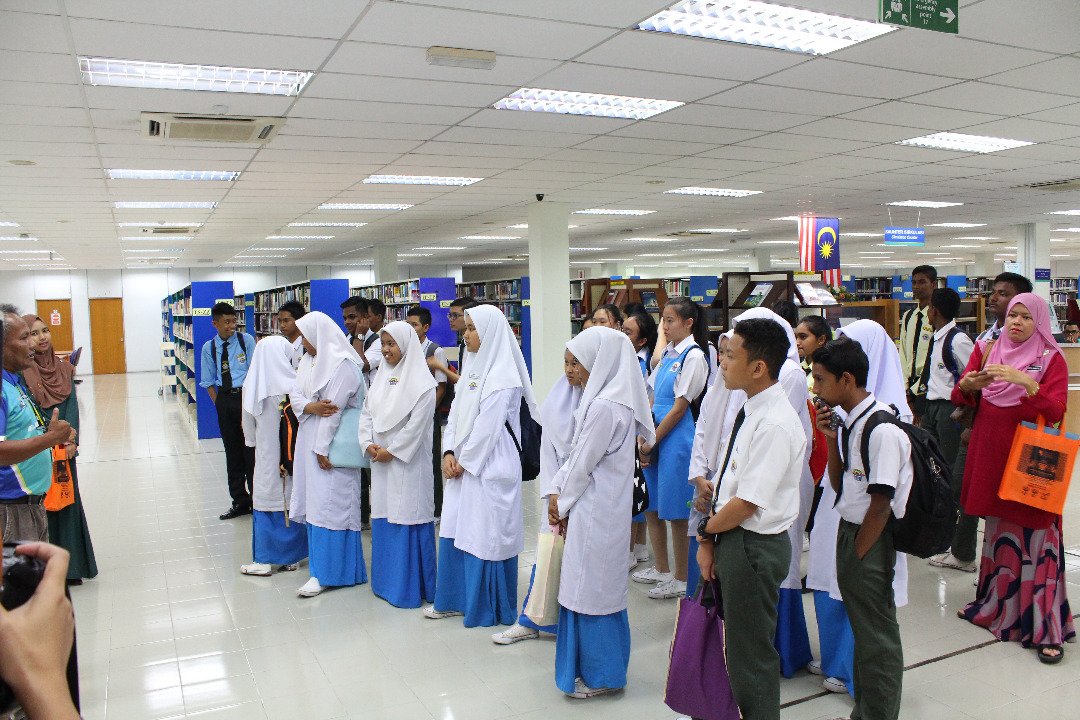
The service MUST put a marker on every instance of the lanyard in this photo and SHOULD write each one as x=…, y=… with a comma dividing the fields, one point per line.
x=33, y=404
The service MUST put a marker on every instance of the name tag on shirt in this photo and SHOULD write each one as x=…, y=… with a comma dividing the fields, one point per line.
x=1034, y=368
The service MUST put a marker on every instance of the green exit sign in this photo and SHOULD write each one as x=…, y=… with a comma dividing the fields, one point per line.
x=936, y=15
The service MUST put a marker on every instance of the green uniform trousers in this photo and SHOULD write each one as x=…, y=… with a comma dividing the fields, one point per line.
x=750, y=568
x=866, y=586
x=937, y=422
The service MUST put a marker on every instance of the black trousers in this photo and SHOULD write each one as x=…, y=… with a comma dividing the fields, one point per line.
x=239, y=458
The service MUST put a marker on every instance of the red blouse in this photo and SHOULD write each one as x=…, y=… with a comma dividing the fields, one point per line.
x=991, y=441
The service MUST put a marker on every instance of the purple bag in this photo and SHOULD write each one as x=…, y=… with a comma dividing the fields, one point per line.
x=697, y=682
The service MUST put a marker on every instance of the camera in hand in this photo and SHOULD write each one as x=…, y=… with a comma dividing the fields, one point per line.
x=834, y=419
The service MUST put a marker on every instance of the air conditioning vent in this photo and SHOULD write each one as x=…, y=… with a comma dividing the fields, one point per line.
x=687, y=234
x=170, y=230
x=210, y=128
x=1054, y=185
x=205, y=260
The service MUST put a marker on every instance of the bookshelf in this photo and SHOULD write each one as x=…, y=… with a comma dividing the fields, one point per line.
x=1062, y=290
x=745, y=290
x=435, y=294
x=507, y=295
x=186, y=325
x=971, y=318
x=245, y=312
x=870, y=288
x=324, y=296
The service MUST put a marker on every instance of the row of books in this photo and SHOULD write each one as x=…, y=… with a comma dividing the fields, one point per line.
x=501, y=290
x=269, y=301
x=404, y=292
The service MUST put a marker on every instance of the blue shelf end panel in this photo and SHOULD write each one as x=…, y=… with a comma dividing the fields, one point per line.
x=957, y=283
x=526, y=322
x=436, y=294
x=703, y=288
x=249, y=312
x=203, y=297
x=327, y=296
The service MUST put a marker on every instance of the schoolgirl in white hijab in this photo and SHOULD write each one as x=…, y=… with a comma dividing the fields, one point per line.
x=327, y=384
x=395, y=430
x=481, y=532
x=557, y=420
x=275, y=539
x=592, y=500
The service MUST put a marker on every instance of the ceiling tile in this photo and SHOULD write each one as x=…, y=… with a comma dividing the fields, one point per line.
x=581, y=77
x=987, y=98
x=1033, y=24
x=738, y=118
x=400, y=90
x=759, y=96
x=828, y=75
x=1061, y=75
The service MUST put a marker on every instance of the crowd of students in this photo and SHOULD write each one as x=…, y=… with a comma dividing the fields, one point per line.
x=743, y=449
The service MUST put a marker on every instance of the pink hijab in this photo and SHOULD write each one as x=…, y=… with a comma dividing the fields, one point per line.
x=1031, y=356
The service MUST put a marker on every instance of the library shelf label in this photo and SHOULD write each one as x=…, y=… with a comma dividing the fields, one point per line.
x=429, y=297
x=249, y=303
x=526, y=303
x=226, y=300
x=711, y=293
x=697, y=298
x=445, y=303
x=200, y=312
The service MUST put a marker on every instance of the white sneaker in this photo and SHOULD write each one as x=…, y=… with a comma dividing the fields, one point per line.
x=260, y=569
x=432, y=614
x=641, y=552
x=668, y=589
x=310, y=589
x=515, y=633
x=650, y=575
x=290, y=568
x=582, y=691
x=834, y=685
x=633, y=560
x=948, y=560
x=814, y=667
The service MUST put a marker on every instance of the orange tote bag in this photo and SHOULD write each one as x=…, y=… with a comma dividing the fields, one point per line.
x=1040, y=466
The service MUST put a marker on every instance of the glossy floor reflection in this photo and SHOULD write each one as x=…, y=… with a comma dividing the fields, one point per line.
x=171, y=629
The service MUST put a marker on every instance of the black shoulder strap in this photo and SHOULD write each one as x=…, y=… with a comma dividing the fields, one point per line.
x=369, y=340
x=243, y=345
x=947, y=357
x=845, y=435
x=429, y=352
x=881, y=417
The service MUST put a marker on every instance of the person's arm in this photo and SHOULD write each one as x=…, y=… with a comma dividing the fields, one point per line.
x=407, y=440
x=905, y=347
x=358, y=346
x=488, y=428
x=208, y=373
x=247, y=423
x=873, y=524
x=599, y=428
x=699, y=461
x=13, y=452
x=1051, y=393
x=836, y=464
x=971, y=380
x=36, y=640
x=365, y=431
x=344, y=384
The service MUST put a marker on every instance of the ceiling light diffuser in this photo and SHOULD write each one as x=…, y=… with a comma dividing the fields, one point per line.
x=583, y=103
x=4, y=238
x=791, y=218
x=719, y=230
x=525, y=226
x=26, y=252
x=976, y=237
x=150, y=237
x=715, y=192
x=151, y=250
x=327, y=224
x=857, y=234
x=606, y=211
x=765, y=24
x=412, y=255
x=165, y=205
x=175, y=76
x=1075, y=229
x=364, y=206
x=489, y=237
x=122, y=174
x=420, y=180
x=299, y=237
x=1065, y=212
x=272, y=249
x=924, y=204
x=963, y=247
x=964, y=143
x=9, y=224
x=445, y=247
x=777, y=242
x=957, y=225
x=645, y=239
x=160, y=224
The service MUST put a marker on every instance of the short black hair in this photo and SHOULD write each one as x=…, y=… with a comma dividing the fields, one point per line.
x=361, y=304
x=844, y=355
x=946, y=301
x=613, y=310
x=1067, y=323
x=1018, y=281
x=787, y=310
x=463, y=302
x=221, y=309
x=928, y=270
x=764, y=339
x=376, y=306
x=632, y=307
x=294, y=308
x=421, y=312
x=817, y=326
x=646, y=329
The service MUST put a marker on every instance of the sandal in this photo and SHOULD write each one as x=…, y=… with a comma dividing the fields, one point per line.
x=1050, y=659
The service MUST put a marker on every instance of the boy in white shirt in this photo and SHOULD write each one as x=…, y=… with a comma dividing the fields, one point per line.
x=871, y=490
x=744, y=544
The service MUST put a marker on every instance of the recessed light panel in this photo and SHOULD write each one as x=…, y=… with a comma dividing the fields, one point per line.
x=122, y=174
x=299, y=237
x=957, y=225
x=140, y=238
x=272, y=249
x=160, y=224
x=525, y=226
x=777, y=242
x=9, y=224
x=860, y=234
x=583, y=103
x=15, y=238
x=923, y=204
x=715, y=192
x=420, y=180
x=490, y=237
x=445, y=247
x=327, y=224
x=964, y=143
x=364, y=206
x=165, y=205
x=719, y=230
x=176, y=76
x=646, y=239
x=1065, y=212
x=765, y=24
x=605, y=211
x=976, y=237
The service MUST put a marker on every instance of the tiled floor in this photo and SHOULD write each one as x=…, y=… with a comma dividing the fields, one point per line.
x=171, y=629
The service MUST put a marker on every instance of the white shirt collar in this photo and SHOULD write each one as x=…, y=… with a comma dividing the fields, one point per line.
x=764, y=398
x=944, y=330
x=859, y=409
x=681, y=347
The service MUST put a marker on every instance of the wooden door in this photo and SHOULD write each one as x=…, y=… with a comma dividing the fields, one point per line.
x=57, y=315
x=107, y=336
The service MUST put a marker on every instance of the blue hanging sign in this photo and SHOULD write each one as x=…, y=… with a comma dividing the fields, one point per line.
x=1042, y=273
x=905, y=236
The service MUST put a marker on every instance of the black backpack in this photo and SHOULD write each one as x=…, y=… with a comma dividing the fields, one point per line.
x=929, y=521
x=529, y=447
x=287, y=430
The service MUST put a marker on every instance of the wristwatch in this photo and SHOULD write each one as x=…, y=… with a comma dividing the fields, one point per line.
x=702, y=532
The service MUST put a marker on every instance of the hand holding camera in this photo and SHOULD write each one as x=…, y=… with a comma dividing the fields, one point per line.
x=828, y=421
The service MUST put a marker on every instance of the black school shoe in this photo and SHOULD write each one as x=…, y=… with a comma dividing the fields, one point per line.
x=234, y=512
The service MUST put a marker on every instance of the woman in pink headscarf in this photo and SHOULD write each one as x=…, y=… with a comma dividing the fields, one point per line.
x=1021, y=593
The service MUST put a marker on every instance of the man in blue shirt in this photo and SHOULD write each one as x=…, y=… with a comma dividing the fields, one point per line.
x=26, y=440
x=225, y=361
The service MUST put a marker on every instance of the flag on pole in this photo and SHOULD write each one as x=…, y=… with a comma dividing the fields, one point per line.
x=819, y=248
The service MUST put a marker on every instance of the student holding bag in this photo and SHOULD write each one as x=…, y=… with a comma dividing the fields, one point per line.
x=395, y=430
x=325, y=497
x=481, y=530
x=592, y=501
x=557, y=419
x=276, y=538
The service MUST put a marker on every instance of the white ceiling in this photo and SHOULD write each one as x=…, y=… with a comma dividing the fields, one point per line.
x=815, y=134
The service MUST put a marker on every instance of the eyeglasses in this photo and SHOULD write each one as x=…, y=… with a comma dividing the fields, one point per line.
x=454, y=316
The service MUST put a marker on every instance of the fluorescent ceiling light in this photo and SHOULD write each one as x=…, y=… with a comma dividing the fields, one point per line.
x=794, y=218
x=963, y=247
x=655, y=255
x=587, y=249
x=272, y=249
x=719, y=230
x=146, y=250
x=367, y=263
x=250, y=257
x=1065, y=212
x=525, y=226
x=420, y=180
x=606, y=211
x=26, y=252
x=175, y=76
x=931, y=253
x=150, y=237
x=9, y=224
x=705, y=250
x=157, y=257
x=1075, y=229
x=364, y=206
x=777, y=242
x=412, y=255
x=160, y=224
x=490, y=237
x=957, y=225
x=461, y=57
x=976, y=237
x=645, y=239
x=586, y=262
x=326, y=224
x=583, y=103
x=765, y=24
x=17, y=237
x=716, y=192
x=299, y=237
x=1060, y=256
x=484, y=262
x=121, y=174
x=851, y=234
x=964, y=143
x=924, y=204
x=445, y=247
x=165, y=205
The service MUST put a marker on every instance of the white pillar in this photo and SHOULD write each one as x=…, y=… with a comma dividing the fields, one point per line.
x=610, y=269
x=385, y=268
x=549, y=290
x=761, y=261
x=1033, y=251
x=983, y=266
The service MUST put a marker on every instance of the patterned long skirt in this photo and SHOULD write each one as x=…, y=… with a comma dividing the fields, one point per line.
x=1021, y=595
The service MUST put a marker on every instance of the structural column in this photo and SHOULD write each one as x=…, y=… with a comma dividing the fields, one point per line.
x=385, y=270
x=549, y=289
x=1033, y=252
x=761, y=260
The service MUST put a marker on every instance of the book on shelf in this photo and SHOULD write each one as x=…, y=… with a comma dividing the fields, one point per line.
x=758, y=294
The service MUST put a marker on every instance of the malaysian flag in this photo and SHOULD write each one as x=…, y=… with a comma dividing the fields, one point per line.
x=819, y=248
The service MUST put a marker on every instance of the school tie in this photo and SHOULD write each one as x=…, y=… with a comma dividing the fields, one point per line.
x=915, y=349
x=924, y=379
x=226, y=373
x=731, y=446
